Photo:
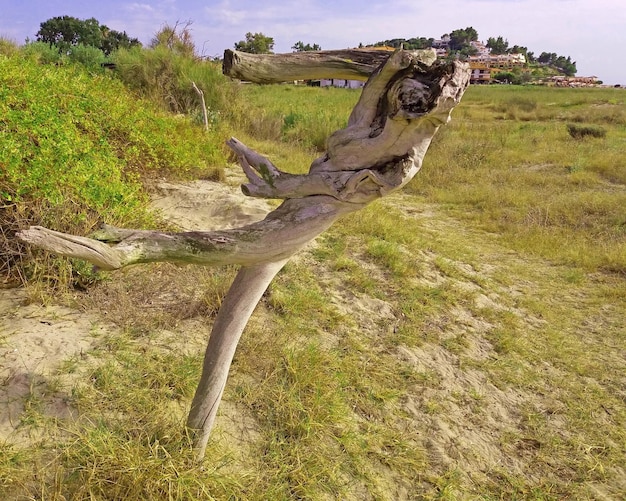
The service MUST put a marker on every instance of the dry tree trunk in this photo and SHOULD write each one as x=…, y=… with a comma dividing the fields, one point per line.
x=408, y=96
x=350, y=64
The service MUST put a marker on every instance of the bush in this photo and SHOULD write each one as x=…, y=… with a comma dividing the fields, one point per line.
x=165, y=77
x=42, y=52
x=75, y=150
x=89, y=56
x=7, y=47
x=583, y=131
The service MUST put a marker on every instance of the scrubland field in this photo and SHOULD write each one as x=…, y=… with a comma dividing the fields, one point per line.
x=464, y=339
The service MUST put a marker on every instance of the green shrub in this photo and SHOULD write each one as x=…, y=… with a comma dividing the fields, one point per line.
x=166, y=77
x=7, y=47
x=42, y=52
x=87, y=55
x=76, y=148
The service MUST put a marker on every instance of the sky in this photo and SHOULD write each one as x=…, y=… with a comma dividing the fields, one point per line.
x=591, y=32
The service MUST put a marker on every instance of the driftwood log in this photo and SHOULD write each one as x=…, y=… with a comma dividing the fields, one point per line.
x=407, y=97
x=350, y=64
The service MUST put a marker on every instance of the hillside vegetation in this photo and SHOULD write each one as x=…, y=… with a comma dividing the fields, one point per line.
x=461, y=340
x=80, y=148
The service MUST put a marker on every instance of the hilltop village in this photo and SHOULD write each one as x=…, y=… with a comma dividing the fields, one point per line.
x=489, y=68
x=486, y=67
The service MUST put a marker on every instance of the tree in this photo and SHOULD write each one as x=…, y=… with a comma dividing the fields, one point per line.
x=498, y=45
x=65, y=32
x=562, y=63
x=301, y=47
x=113, y=40
x=460, y=39
x=407, y=44
x=256, y=43
x=547, y=57
x=381, y=149
x=566, y=65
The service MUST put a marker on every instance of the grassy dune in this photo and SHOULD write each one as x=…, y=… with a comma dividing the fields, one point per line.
x=462, y=340
x=78, y=148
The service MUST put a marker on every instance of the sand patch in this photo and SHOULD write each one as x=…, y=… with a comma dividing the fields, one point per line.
x=34, y=341
x=207, y=205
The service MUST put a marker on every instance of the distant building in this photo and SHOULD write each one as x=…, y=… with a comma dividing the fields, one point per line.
x=484, y=64
x=444, y=43
x=562, y=81
x=341, y=83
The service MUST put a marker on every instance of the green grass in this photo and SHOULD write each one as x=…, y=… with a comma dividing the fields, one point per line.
x=462, y=340
x=79, y=148
x=568, y=206
x=302, y=115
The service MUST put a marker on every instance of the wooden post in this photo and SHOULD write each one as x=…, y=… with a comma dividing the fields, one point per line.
x=205, y=115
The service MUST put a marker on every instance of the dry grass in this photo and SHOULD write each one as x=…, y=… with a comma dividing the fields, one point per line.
x=463, y=340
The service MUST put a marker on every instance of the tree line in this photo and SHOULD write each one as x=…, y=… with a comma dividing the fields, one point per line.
x=66, y=32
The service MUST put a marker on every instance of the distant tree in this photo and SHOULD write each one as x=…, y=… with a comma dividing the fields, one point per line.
x=460, y=39
x=467, y=50
x=498, y=45
x=408, y=44
x=256, y=43
x=175, y=38
x=113, y=40
x=562, y=63
x=547, y=57
x=301, y=47
x=65, y=32
x=566, y=65
x=505, y=77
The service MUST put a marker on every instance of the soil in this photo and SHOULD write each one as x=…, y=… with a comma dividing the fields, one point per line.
x=35, y=340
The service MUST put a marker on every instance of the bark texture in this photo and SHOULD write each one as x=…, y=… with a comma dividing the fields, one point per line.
x=407, y=97
x=243, y=296
x=351, y=64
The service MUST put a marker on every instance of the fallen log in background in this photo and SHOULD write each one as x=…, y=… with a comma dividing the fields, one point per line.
x=349, y=64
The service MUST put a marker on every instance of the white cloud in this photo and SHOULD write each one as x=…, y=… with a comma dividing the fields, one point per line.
x=139, y=7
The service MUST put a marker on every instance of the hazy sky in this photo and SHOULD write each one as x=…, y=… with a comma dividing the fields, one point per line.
x=591, y=32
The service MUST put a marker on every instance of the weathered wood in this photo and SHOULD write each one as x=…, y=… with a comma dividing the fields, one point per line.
x=282, y=233
x=349, y=64
x=402, y=105
x=205, y=115
x=239, y=303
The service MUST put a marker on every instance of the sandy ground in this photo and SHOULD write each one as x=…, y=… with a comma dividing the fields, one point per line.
x=35, y=340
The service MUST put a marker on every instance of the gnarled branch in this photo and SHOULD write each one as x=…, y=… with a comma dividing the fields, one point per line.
x=404, y=102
